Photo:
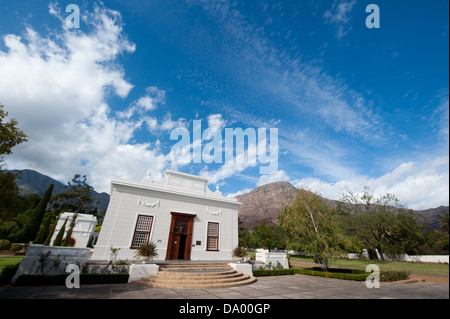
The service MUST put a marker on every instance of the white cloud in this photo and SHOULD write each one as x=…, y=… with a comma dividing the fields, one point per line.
x=216, y=123
x=416, y=185
x=56, y=87
x=278, y=176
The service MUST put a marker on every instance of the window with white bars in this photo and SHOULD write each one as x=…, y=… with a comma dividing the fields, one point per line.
x=212, y=242
x=142, y=231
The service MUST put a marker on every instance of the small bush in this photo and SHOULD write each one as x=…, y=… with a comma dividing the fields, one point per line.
x=16, y=247
x=7, y=273
x=394, y=275
x=5, y=244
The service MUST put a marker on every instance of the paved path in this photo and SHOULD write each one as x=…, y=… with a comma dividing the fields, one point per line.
x=279, y=287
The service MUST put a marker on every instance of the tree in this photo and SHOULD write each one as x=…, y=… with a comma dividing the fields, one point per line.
x=55, y=217
x=38, y=214
x=314, y=228
x=444, y=239
x=267, y=236
x=243, y=234
x=380, y=223
x=46, y=227
x=77, y=198
x=10, y=135
x=66, y=241
x=60, y=235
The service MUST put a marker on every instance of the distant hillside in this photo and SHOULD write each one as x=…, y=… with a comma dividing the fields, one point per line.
x=32, y=182
x=267, y=201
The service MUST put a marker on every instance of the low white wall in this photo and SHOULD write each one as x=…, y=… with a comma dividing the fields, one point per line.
x=272, y=257
x=138, y=271
x=426, y=258
x=244, y=268
x=443, y=259
x=31, y=265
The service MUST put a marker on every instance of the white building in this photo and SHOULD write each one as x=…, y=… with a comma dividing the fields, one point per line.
x=180, y=214
x=82, y=231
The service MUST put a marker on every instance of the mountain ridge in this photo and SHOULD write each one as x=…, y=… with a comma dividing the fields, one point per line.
x=33, y=182
x=265, y=202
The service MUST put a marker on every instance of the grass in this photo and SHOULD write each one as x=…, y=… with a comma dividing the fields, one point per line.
x=9, y=260
x=429, y=269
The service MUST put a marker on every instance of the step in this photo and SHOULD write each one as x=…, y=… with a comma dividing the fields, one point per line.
x=190, y=265
x=200, y=275
x=245, y=280
x=184, y=282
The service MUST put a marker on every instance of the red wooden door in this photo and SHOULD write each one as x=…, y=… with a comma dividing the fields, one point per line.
x=180, y=237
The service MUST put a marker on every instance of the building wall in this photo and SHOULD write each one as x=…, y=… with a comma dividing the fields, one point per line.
x=83, y=230
x=127, y=203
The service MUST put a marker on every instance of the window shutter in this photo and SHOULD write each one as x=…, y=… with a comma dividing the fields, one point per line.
x=213, y=237
x=142, y=231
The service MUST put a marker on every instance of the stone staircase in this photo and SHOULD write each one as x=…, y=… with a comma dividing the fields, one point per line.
x=196, y=276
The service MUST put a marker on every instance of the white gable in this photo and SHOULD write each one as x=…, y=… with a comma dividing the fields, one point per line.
x=177, y=182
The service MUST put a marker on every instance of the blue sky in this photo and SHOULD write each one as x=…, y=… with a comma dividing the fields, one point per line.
x=353, y=106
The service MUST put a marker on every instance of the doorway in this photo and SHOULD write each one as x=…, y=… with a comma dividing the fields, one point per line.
x=180, y=237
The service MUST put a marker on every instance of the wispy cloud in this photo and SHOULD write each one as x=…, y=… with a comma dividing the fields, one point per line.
x=339, y=16
x=308, y=97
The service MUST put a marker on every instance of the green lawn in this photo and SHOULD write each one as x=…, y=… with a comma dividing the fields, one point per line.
x=414, y=268
x=8, y=260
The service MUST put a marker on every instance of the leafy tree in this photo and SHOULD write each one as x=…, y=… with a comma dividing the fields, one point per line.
x=314, y=228
x=10, y=135
x=380, y=223
x=444, y=240
x=267, y=236
x=77, y=197
x=9, y=195
x=243, y=234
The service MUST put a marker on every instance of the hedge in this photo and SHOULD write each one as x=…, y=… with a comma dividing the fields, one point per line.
x=346, y=274
x=273, y=272
x=85, y=279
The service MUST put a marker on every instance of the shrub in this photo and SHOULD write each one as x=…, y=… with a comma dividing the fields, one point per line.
x=394, y=275
x=273, y=272
x=16, y=247
x=348, y=275
x=5, y=244
x=147, y=251
x=239, y=252
x=7, y=273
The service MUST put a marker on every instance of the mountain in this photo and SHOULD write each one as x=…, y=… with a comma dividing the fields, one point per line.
x=267, y=201
x=32, y=182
